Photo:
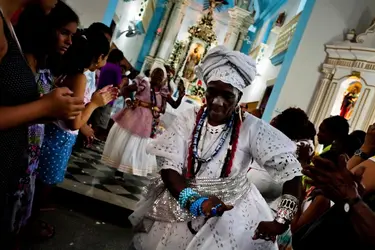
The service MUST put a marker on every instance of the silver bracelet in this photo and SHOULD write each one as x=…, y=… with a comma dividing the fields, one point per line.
x=287, y=208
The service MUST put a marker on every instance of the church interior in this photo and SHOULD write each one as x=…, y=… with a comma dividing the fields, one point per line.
x=179, y=33
x=316, y=55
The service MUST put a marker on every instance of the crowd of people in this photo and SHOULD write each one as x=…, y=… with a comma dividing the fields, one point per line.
x=220, y=178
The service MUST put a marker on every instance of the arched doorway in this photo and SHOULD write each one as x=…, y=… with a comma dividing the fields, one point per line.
x=347, y=96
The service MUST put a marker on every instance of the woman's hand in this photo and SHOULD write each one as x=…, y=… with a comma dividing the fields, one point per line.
x=181, y=91
x=336, y=181
x=269, y=230
x=60, y=104
x=103, y=96
x=88, y=134
x=113, y=90
x=213, y=203
x=304, y=154
x=129, y=103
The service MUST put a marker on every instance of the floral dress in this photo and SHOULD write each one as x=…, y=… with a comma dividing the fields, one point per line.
x=36, y=135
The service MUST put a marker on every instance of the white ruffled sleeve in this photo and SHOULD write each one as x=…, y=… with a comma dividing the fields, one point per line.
x=272, y=149
x=171, y=147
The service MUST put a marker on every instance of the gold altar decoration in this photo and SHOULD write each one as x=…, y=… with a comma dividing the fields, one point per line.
x=204, y=29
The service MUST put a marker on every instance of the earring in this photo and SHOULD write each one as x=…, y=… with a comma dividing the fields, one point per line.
x=237, y=109
x=239, y=112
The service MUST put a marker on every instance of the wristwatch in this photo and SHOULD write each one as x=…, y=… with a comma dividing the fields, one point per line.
x=361, y=154
x=348, y=204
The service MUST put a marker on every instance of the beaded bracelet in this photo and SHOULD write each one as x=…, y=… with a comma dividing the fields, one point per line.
x=187, y=195
x=196, y=207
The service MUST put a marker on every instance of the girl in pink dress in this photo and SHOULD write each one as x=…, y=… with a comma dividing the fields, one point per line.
x=135, y=126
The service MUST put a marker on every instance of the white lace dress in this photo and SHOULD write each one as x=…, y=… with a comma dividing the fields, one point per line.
x=235, y=229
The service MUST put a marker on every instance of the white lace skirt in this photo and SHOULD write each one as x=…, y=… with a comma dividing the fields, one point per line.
x=127, y=153
x=234, y=230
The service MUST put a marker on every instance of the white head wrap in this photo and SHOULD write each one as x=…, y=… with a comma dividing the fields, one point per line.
x=231, y=67
x=157, y=66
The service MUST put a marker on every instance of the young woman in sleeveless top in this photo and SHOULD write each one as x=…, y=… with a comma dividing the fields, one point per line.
x=20, y=106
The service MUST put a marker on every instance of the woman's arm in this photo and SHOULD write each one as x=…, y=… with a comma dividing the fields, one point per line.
x=126, y=90
x=22, y=114
x=58, y=104
x=174, y=104
x=317, y=207
x=77, y=84
x=173, y=181
x=356, y=160
x=368, y=148
x=368, y=175
x=363, y=221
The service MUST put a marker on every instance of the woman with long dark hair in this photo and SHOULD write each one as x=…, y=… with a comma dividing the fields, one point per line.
x=89, y=51
x=43, y=36
x=20, y=106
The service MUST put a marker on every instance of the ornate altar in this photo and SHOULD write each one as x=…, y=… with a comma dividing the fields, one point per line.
x=187, y=55
x=347, y=85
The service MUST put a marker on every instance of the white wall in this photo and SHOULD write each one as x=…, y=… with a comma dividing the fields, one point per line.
x=328, y=21
x=265, y=68
x=130, y=46
x=89, y=11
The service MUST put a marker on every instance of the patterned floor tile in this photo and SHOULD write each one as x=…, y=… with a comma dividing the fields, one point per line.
x=87, y=175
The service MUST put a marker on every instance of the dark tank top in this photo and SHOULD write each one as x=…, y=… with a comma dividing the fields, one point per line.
x=17, y=86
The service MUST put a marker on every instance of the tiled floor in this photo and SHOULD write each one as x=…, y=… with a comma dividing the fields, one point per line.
x=86, y=175
x=76, y=231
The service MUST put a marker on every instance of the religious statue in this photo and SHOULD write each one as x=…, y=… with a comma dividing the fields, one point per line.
x=214, y=4
x=192, y=60
x=350, y=98
x=280, y=19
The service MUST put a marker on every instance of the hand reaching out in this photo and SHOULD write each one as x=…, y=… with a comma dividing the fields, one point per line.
x=88, y=134
x=105, y=95
x=60, y=103
x=336, y=181
x=269, y=230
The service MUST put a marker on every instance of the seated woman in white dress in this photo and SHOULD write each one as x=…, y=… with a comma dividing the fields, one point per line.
x=203, y=199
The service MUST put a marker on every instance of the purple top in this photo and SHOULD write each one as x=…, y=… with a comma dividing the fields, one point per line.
x=110, y=74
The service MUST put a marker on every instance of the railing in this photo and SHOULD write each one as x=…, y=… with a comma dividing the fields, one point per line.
x=285, y=37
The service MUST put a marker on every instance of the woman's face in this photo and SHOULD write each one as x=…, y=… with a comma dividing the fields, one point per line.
x=101, y=62
x=64, y=37
x=324, y=135
x=222, y=100
x=157, y=76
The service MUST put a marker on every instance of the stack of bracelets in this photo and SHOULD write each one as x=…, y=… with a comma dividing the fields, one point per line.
x=192, y=201
x=287, y=208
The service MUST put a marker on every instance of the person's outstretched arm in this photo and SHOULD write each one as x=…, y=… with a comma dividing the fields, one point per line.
x=57, y=104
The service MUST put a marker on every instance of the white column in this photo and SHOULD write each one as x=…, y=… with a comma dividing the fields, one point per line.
x=316, y=110
x=162, y=26
x=172, y=29
x=149, y=60
x=240, y=21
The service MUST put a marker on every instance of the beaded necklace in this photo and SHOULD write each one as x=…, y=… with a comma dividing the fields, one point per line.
x=233, y=126
x=155, y=114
